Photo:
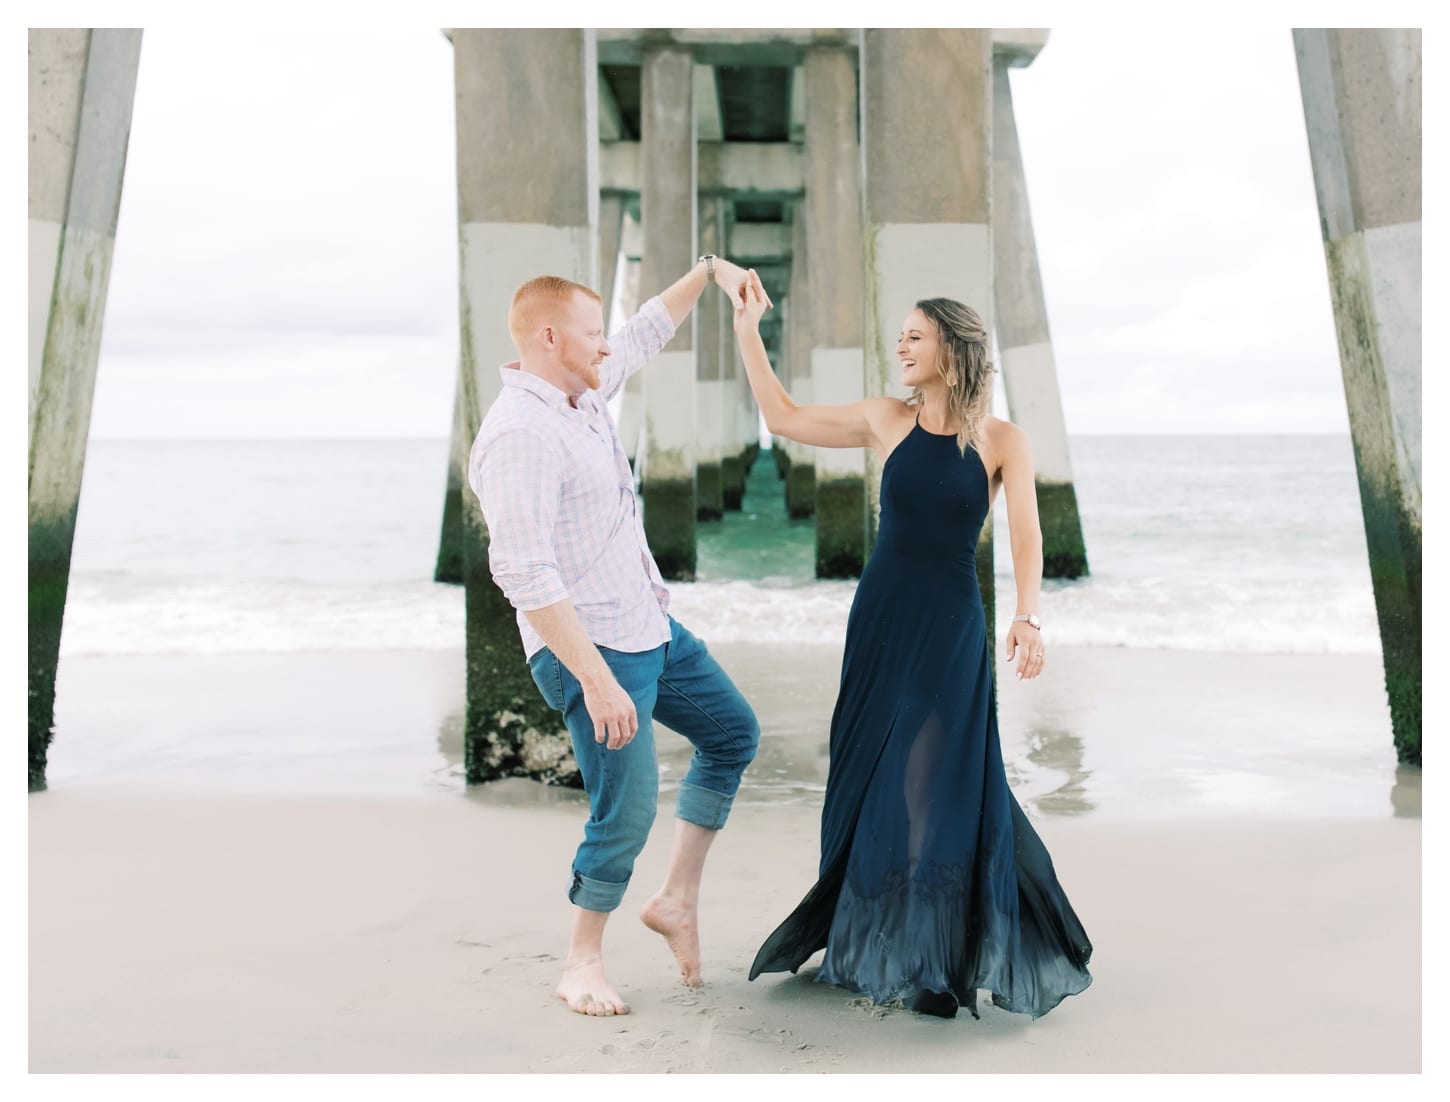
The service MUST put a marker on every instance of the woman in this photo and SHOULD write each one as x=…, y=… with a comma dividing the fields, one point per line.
x=932, y=881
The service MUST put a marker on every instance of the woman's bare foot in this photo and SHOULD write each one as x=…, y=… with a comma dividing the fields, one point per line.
x=677, y=922
x=585, y=989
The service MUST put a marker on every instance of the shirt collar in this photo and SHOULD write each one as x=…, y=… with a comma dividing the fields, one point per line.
x=514, y=375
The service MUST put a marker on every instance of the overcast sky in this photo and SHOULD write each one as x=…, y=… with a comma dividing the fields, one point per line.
x=286, y=256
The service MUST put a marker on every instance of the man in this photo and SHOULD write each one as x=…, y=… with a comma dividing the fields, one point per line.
x=567, y=548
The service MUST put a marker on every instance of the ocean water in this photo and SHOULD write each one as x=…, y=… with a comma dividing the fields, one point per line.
x=1207, y=543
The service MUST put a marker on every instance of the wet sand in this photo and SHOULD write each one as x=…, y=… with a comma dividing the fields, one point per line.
x=1105, y=732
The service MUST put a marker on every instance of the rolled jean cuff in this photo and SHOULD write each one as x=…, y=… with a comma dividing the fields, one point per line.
x=595, y=895
x=702, y=806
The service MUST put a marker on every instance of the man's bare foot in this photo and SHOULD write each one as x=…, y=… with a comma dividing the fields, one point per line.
x=585, y=989
x=677, y=923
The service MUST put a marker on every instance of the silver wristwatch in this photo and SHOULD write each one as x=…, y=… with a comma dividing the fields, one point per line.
x=709, y=260
x=1029, y=618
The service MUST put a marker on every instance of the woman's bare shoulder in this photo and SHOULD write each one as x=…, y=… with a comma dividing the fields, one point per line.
x=888, y=406
x=1003, y=435
x=886, y=412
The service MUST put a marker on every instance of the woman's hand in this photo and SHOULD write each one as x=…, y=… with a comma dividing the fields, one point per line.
x=1024, y=642
x=751, y=304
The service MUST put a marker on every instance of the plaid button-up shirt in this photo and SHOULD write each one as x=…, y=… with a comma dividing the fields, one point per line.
x=558, y=498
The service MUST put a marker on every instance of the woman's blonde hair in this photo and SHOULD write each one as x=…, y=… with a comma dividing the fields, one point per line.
x=964, y=363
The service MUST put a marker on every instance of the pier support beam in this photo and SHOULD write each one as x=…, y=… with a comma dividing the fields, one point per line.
x=667, y=208
x=1362, y=109
x=631, y=400
x=82, y=85
x=836, y=294
x=528, y=204
x=927, y=234
x=449, y=567
x=735, y=393
x=711, y=328
x=611, y=232
x=1029, y=373
x=795, y=360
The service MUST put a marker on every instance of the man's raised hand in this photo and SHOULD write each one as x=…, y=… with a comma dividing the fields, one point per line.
x=732, y=279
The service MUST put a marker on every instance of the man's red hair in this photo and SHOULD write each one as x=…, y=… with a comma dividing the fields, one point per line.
x=538, y=302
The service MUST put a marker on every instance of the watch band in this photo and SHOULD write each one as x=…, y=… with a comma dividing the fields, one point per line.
x=709, y=259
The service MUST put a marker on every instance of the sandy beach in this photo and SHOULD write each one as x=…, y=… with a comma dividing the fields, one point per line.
x=294, y=879
x=176, y=930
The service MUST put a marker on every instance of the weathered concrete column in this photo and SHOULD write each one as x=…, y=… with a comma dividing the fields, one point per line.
x=710, y=330
x=928, y=234
x=732, y=402
x=528, y=203
x=449, y=567
x=1029, y=373
x=780, y=447
x=631, y=401
x=795, y=359
x=667, y=209
x=749, y=420
x=836, y=295
x=82, y=84
x=749, y=425
x=1361, y=92
x=611, y=231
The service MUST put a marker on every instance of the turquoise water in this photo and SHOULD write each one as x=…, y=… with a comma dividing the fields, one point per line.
x=760, y=543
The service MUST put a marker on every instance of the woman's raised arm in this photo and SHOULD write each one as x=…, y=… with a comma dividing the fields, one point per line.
x=848, y=426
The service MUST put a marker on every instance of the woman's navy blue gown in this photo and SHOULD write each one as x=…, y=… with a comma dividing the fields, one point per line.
x=933, y=884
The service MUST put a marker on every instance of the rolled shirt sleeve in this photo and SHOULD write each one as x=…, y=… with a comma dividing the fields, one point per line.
x=637, y=342
x=518, y=478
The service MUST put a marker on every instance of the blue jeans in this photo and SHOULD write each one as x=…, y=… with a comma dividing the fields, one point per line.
x=683, y=687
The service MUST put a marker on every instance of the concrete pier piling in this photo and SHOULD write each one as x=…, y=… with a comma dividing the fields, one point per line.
x=606, y=252
x=667, y=208
x=748, y=425
x=1362, y=110
x=835, y=294
x=1029, y=374
x=711, y=329
x=631, y=400
x=734, y=392
x=795, y=360
x=926, y=233
x=528, y=204
x=449, y=567
x=82, y=86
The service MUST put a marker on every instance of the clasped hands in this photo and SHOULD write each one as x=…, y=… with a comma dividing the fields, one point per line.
x=746, y=292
